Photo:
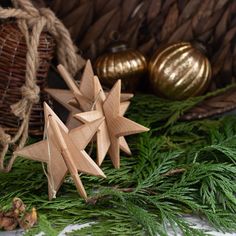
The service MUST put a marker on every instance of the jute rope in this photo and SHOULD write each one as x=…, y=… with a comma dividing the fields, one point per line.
x=32, y=22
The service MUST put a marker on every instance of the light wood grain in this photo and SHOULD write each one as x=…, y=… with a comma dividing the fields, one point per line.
x=110, y=137
x=63, y=152
x=79, y=98
x=66, y=98
x=91, y=97
x=118, y=125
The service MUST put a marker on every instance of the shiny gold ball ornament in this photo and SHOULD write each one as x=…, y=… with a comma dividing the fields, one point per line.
x=123, y=63
x=179, y=71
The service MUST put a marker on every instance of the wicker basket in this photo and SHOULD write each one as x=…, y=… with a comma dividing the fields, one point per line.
x=12, y=76
x=146, y=24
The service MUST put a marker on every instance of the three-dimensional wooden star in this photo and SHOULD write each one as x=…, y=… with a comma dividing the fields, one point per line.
x=102, y=136
x=85, y=92
x=116, y=124
x=63, y=151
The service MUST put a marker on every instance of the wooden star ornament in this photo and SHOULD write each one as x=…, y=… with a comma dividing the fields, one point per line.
x=117, y=125
x=63, y=152
x=99, y=96
x=84, y=91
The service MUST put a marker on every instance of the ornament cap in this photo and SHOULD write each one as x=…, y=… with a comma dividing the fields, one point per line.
x=117, y=47
x=200, y=47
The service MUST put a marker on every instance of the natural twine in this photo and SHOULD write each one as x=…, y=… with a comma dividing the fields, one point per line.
x=32, y=22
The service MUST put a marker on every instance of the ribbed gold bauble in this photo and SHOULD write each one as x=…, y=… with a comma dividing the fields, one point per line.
x=179, y=71
x=121, y=63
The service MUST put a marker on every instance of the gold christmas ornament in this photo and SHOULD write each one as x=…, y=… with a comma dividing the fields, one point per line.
x=179, y=71
x=121, y=63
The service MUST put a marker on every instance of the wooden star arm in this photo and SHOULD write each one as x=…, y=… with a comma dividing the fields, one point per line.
x=123, y=96
x=122, y=126
x=67, y=157
x=89, y=116
x=68, y=79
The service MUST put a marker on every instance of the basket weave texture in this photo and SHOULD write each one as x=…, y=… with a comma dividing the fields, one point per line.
x=147, y=24
x=13, y=51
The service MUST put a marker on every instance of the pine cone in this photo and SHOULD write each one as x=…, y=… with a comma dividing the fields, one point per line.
x=18, y=207
x=17, y=215
x=29, y=219
x=8, y=223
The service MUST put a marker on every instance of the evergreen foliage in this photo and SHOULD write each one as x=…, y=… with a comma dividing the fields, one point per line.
x=178, y=168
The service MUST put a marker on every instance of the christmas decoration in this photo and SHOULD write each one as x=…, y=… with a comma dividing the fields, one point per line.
x=63, y=151
x=110, y=136
x=145, y=25
x=91, y=91
x=17, y=215
x=129, y=65
x=90, y=96
x=178, y=168
x=85, y=91
x=179, y=70
x=26, y=51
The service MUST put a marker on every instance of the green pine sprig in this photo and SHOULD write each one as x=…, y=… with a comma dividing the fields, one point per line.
x=177, y=169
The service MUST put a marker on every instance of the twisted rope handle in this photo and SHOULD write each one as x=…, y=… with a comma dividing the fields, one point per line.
x=32, y=22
